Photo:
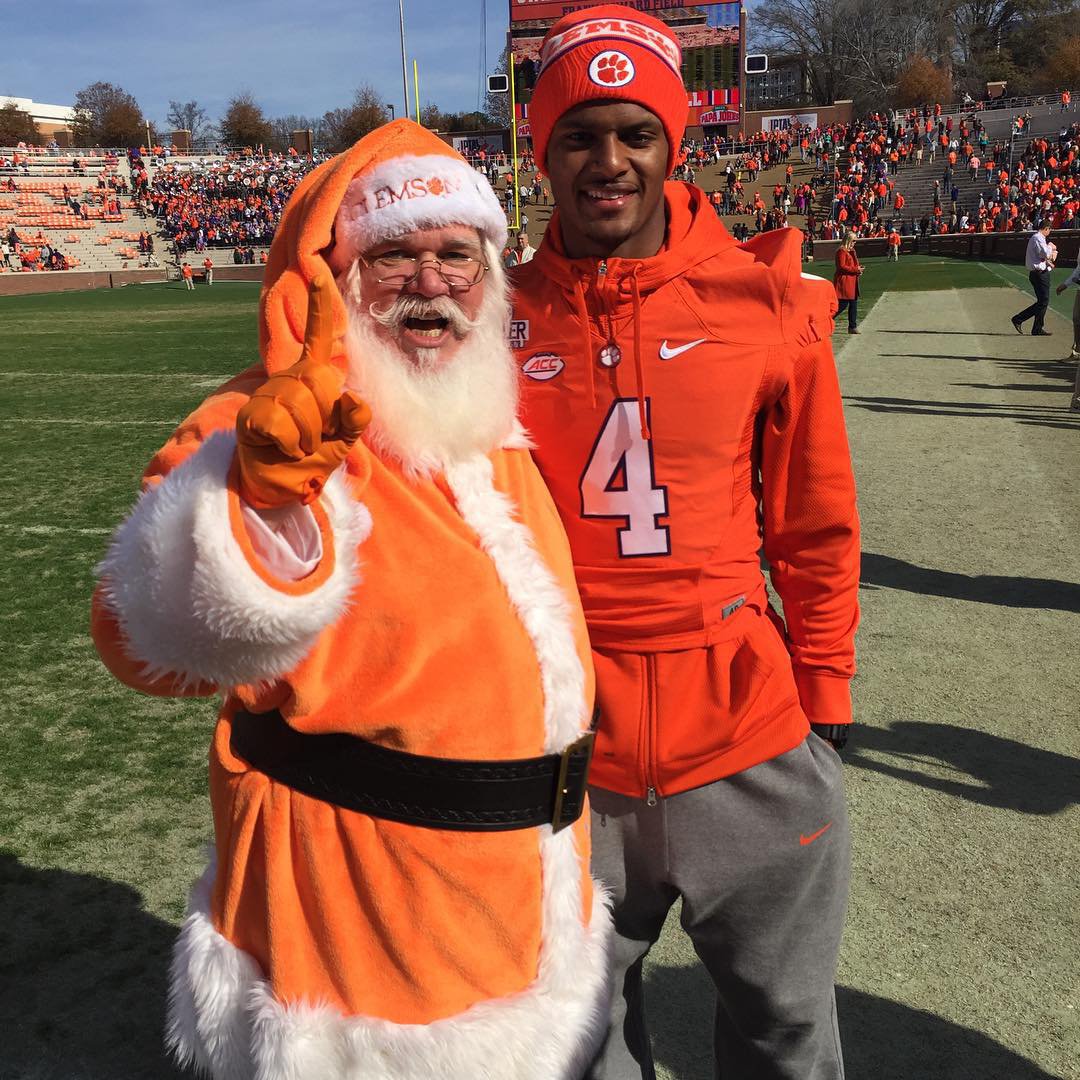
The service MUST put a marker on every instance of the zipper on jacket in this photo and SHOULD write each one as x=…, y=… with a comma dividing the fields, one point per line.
x=650, y=724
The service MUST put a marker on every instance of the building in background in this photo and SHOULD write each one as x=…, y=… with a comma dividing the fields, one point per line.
x=785, y=85
x=53, y=121
x=711, y=45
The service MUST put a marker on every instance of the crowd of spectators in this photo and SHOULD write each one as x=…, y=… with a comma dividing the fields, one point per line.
x=234, y=203
x=984, y=185
x=23, y=253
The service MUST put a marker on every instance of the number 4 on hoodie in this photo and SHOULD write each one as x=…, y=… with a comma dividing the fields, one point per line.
x=619, y=482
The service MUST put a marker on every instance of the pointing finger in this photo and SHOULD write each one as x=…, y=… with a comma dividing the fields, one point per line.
x=319, y=332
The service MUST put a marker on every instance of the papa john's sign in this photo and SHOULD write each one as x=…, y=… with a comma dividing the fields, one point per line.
x=718, y=116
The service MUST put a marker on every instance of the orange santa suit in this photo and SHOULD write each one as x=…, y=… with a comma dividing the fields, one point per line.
x=441, y=620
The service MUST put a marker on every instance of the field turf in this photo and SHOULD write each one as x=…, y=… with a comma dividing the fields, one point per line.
x=103, y=808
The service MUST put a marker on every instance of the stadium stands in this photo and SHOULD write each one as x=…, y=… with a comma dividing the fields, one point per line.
x=100, y=210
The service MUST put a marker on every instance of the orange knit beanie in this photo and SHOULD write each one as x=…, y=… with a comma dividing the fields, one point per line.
x=612, y=53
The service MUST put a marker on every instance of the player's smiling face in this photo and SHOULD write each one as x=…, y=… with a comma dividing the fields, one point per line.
x=607, y=162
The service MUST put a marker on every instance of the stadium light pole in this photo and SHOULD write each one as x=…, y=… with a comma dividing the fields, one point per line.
x=416, y=89
x=404, y=65
x=742, y=71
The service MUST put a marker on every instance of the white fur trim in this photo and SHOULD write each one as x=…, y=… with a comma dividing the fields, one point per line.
x=518, y=438
x=539, y=601
x=398, y=197
x=188, y=601
x=224, y=1020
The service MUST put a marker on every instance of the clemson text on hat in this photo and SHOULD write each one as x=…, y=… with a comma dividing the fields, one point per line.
x=416, y=187
x=623, y=29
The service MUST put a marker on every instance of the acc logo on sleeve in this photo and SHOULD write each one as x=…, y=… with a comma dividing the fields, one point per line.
x=543, y=366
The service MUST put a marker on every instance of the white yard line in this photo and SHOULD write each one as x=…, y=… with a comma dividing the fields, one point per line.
x=84, y=423
x=116, y=375
x=54, y=530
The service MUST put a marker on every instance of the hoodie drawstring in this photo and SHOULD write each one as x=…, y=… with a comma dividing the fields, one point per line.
x=583, y=318
x=639, y=368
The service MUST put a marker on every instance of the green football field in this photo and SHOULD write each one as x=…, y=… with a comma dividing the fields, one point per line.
x=103, y=809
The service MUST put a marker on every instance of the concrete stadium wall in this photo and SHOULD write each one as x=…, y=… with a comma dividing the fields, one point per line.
x=997, y=247
x=50, y=281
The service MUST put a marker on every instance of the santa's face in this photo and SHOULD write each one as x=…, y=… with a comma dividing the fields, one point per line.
x=426, y=290
x=430, y=355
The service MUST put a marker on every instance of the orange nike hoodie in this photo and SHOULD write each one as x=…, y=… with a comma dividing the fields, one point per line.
x=687, y=418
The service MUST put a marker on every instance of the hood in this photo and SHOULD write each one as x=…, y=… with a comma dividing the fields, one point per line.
x=694, y=234
x=749, y=293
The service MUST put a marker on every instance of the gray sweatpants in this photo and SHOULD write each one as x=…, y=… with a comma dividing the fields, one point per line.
x=761, y=860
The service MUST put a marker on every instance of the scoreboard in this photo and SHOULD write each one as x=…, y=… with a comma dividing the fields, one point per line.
x=709, y=35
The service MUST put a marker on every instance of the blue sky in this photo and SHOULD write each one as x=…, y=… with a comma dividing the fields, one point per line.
x=293, y=57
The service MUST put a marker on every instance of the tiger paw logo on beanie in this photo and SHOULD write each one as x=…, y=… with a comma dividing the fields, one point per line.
x=609, y=53
x=611, y=69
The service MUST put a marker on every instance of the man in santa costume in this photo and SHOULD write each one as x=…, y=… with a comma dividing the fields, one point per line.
x=349, y=542
x=683, y=398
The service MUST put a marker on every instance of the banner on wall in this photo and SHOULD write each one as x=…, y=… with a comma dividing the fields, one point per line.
x=524, y=129
x=783, y=123
x=470, y=145
x=718, y=116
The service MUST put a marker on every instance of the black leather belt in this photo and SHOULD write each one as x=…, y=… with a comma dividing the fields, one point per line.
x=436, y=793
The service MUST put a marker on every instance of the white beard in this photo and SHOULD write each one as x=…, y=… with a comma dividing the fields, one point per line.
x=427, y=415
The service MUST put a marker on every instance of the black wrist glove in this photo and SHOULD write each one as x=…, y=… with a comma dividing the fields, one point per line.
x=836, y=734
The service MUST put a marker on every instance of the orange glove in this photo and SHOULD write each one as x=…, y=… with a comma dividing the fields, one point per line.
x=298, y=427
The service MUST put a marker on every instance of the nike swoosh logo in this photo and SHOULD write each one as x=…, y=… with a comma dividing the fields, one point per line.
x=804, y=840
x=670, y=354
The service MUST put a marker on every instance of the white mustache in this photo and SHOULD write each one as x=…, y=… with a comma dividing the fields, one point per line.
x=424, y=307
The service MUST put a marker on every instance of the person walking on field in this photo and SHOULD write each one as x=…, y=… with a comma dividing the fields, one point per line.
x=188, y=276
x=894, y=245
x=1040, y=261
x=208, y=267
x=846, y=281
x=681, y=394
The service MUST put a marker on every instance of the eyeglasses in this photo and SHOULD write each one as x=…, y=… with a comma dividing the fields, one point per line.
x=458, y=271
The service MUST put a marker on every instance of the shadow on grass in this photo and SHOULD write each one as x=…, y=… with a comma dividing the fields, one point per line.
x=1045, y=594
x=82, y=978
x=1050, y=416
x=962, y=333
x=882, y=1039
x=987, y=769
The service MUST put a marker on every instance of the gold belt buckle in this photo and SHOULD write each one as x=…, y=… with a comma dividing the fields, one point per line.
x=581, y=747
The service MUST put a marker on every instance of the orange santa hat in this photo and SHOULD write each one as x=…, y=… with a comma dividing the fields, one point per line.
x=396, y=179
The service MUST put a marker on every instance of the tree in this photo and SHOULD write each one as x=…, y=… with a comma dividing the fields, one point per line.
x=498, y=105
x=1062, y=68
x=922, y=81
x=16, y=125
x=244, y=123
x=284, y=126
x=812, y=31
x=190, y=116
x=347, y=126
x=106, y=115
x=470, y=121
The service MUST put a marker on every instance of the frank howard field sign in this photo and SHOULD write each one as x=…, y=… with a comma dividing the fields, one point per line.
x=782, y=123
